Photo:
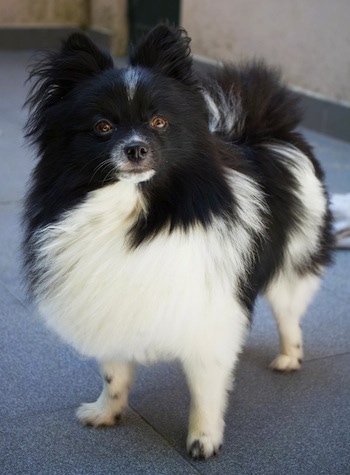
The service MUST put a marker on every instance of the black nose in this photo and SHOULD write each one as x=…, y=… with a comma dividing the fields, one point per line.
x=136, y=151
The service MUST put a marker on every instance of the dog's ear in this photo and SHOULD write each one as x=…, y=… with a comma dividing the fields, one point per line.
x=166, y=49
x=56, y=73
x=80, y=58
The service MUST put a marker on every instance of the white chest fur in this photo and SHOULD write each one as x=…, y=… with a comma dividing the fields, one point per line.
x=154, y=301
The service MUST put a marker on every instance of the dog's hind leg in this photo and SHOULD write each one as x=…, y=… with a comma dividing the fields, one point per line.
x=289, y=296
x=107, y=410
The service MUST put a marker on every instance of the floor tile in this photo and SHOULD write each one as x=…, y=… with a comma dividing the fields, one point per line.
x=37, y=372
x=292, y=424
x=276, y=424
x=55, y=444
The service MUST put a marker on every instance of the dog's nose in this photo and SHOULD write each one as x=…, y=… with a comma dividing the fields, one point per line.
x=136, y=151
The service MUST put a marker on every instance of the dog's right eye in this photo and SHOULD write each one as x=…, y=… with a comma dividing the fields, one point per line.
x=103, y=127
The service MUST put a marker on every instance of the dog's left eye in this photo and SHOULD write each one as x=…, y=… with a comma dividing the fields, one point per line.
x=159, y=122
x=103, y=127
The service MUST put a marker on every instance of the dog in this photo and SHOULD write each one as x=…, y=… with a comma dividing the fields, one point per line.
x=164, y=200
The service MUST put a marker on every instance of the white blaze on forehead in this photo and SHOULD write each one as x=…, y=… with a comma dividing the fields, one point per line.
x=131, y=79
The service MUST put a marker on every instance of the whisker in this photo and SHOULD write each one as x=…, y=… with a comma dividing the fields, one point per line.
x=97, y=157
x=99, y=167
x=107, y=176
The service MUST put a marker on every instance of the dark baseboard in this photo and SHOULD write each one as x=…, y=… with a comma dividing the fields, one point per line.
x=32, y=37
x=326, y=116
x=320, y=114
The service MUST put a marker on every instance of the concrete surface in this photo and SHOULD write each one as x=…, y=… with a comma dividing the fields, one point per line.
x=276, y=424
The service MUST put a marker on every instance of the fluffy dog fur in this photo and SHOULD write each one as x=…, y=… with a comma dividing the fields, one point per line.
x=162, y=203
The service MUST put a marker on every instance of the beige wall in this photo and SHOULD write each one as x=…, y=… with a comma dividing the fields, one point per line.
x=50, y=12
x=108, y=14
x=310, y=39
x=112, y=14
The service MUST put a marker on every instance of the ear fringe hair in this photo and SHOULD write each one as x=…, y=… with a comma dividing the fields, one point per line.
x=166, y=48
x=53, y=74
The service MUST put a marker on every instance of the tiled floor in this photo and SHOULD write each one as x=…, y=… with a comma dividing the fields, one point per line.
x=276, y=424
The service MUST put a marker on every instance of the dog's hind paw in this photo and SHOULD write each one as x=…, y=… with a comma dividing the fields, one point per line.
x=90, y=414
x=285, y=363
x=203, y=447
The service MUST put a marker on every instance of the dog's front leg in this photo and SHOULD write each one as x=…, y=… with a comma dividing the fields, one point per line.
x=107, y=410
x=209, y=382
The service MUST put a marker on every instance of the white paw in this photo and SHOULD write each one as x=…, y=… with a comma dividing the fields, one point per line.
x=201, y=447
x=286, y=363
x=91, y=414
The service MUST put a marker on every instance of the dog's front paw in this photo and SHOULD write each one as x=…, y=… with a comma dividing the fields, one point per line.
x=203, y=446
x=286, y=363
x=91, y=414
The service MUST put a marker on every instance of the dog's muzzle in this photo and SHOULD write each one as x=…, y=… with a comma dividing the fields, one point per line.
x=134, y=160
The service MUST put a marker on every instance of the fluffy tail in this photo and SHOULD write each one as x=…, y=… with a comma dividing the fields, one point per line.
x=249, y=104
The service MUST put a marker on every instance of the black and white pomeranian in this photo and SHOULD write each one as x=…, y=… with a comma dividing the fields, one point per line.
x=163, y=202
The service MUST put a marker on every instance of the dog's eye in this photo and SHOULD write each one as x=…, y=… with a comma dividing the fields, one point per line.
x=159, y=122
x=103, y=127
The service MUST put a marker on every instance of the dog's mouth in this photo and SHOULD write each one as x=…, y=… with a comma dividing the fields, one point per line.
x=135, y=174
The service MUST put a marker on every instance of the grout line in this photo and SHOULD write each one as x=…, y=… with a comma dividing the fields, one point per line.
x=9, y=202
x=166, y=441
x=47, y=411
x=19, y=300
x=136, y=411
x=36, y=413
x=310, y=360
x=44, y=412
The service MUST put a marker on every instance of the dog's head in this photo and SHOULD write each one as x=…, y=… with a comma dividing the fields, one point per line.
x=95, y=123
